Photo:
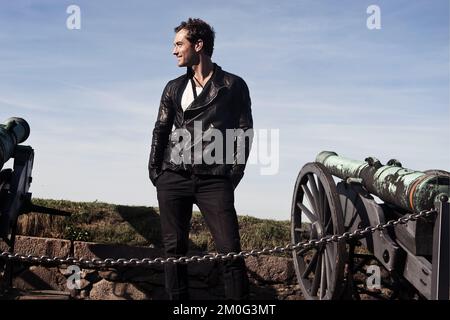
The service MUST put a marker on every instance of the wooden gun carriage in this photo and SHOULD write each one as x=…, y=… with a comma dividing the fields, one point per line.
x=413, y=257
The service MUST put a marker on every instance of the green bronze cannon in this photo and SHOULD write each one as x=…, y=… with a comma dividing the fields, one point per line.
x=405, y=188
x=414, y=255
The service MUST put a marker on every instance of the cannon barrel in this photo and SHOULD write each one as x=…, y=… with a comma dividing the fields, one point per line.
x=12, y=132
x=405, y=188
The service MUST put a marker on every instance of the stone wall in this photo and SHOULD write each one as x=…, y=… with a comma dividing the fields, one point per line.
x=271, y=277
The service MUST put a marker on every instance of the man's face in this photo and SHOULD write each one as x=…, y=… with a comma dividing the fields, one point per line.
x=184, y=50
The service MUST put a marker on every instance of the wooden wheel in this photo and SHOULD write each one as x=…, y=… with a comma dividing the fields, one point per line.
x=320, y=271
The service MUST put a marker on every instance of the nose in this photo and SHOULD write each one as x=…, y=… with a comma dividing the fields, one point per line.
x=175, y=51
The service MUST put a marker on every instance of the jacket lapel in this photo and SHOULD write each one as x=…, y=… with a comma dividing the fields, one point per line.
x=210, y=92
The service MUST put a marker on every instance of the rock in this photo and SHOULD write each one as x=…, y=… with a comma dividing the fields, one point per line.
x=111, y=275
x=83, y=272
x=64, y=271
x=149, y=276
x=40, y=246
x=86, y=273
x=271, y=269
x=84, y=284
x=105, y=290
x=90, y=250
x=271, y=277
x=91, y=276
x=41, y=278
x=84, y=294
x=262, y=293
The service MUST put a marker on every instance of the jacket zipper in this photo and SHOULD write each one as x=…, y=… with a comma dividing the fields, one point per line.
x=199, y=107
x=184, y=123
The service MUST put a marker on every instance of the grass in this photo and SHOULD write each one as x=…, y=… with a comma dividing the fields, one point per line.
x=94, y=221
x=139, y=226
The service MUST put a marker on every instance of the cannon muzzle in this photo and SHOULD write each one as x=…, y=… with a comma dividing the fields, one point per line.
x=12, y=132
x=404, y=188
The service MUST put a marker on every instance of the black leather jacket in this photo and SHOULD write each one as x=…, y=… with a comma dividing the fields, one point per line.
x=224, y=103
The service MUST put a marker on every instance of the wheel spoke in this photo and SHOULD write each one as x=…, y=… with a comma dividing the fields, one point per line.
x=311, y=265
x=323, y=280
x=332, y=249
x=327, y=226
x=320, y=201
x=311, y=200
x=301, y=252
x=307, y=213
x=317, y=274
x=312, y=183
x=328, y=266
x=326, y=207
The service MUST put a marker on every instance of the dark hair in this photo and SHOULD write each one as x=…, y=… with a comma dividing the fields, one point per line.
x=199, y=29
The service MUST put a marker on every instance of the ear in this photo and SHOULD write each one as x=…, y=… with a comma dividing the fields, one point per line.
x=198, y=45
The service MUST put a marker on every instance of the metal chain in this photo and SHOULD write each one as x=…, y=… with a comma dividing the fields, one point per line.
x=146, y=262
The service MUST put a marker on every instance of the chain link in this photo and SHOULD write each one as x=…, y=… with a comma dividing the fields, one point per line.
x=146, y=262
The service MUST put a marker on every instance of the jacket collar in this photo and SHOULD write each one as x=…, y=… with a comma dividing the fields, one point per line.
x=210, y=90
x=216, y=80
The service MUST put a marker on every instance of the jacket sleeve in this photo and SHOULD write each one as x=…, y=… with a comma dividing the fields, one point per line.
x=244, y=138
x=161, y=133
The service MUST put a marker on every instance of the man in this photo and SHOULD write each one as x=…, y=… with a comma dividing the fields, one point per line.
x=209, y=99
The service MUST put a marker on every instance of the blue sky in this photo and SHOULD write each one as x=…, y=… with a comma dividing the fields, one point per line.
x=315, y=72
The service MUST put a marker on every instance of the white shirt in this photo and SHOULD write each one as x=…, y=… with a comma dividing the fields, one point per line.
x=188, y=95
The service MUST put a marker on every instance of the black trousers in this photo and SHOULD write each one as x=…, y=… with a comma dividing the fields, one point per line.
x=214, y=195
